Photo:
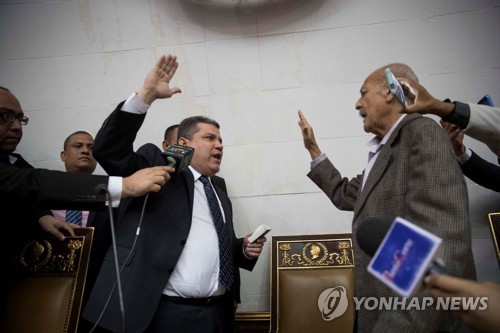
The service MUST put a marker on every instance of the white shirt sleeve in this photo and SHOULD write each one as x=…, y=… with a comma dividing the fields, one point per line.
x=465, y=156
x=134, y=104
x=115, y=190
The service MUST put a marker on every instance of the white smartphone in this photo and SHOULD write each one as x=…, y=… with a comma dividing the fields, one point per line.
x=259, y=232
x=395, y=87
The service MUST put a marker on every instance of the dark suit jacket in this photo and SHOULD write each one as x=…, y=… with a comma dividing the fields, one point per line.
x=417, y=177
x=163, y=233
x=482, y=172
x=100, y=245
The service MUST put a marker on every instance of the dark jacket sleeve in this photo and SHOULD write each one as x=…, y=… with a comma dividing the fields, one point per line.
x=52, y=189
x=482, y=172
x=114, y=144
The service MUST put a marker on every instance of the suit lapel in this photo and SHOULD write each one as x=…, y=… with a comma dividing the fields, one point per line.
x=381, y=164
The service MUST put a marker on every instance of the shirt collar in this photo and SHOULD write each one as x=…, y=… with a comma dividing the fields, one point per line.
x=375, y=144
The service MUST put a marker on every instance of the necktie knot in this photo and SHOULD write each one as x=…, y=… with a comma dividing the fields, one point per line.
x=225, y=252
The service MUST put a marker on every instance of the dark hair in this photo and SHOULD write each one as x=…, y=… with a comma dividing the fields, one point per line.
x=189, y=126
x=169, y=130
x=3, y=88
x=66, y=142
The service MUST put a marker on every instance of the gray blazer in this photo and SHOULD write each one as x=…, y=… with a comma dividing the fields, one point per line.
x=415, y=177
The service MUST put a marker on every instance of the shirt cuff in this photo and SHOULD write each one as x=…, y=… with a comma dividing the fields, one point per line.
x=115, y=190
x=318, y=160
x=134, y=104
x=465, y=156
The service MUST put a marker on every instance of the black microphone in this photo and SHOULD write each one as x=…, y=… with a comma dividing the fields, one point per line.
x=101, y=189
x=371, y=232
x=178, y=156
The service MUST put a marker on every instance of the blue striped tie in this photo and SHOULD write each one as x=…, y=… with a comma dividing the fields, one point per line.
x=225, y=252
x=74, y=216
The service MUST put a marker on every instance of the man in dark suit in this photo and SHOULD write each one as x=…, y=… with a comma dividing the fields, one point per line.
x=170, y=138
x=19, y=220
x=179, y=266
x=411, y=173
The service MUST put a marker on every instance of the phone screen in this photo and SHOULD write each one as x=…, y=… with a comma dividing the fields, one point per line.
x=395, y=87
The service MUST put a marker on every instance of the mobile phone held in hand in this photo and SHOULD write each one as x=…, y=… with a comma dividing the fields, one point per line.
x=486, y=100
x=395, y=87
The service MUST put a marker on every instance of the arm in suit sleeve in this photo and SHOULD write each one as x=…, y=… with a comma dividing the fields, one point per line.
x=341, y=191
x=482, y=172
x=480, y=122
x=113, y=146
x=54, y=189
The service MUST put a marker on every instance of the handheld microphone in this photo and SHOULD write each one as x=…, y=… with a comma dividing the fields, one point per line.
x=178, y=156
x=403, y=253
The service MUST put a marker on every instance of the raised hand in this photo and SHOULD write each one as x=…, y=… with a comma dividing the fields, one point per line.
x=308, y=137
x=157, y=82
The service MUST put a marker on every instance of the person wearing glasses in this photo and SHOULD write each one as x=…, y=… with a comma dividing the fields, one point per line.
x=18, y=219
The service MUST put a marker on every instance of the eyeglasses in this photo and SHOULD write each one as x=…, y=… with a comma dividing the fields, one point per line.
x=9, y=117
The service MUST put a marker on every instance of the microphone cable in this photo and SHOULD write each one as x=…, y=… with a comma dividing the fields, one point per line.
x=117, y=283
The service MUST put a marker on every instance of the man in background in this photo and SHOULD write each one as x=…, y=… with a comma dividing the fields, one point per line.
x=78, y=158
x=170, y=136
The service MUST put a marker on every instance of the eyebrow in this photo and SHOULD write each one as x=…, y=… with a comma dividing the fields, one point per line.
x=11, y=111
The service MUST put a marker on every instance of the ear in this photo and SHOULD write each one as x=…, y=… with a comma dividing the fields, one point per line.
x=389, y=97
x=63, y=156
x=165, y=144
x=183, y=141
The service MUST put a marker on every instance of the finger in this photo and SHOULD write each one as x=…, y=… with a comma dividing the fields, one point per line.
x=155, y=188
x=175, y=90
x=69, y=228
x=303, y=119
x=448, y=284
x=57, y=234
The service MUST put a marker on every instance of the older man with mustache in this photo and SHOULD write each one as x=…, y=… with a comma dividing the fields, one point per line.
x=411, y=173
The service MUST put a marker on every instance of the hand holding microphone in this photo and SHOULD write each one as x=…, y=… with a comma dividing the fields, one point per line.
x=178, y=157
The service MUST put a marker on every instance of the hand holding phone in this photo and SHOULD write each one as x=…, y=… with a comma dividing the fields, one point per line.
x=259, y=232
x=395, y=87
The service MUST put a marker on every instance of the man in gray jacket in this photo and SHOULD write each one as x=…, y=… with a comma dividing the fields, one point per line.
x=412, y=173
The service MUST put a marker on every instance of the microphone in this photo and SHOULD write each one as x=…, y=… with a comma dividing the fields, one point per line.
x=178, y=156
x=403, y=253
x=101, y=189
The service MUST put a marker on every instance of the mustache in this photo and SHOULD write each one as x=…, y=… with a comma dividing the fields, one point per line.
x=362, y=113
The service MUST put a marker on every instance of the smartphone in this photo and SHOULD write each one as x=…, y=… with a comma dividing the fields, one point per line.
x=395, y=87
x=486, y=100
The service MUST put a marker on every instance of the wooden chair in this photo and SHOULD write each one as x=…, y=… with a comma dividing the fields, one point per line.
x=45, y=285
x=312, y=283
x=494, y=219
